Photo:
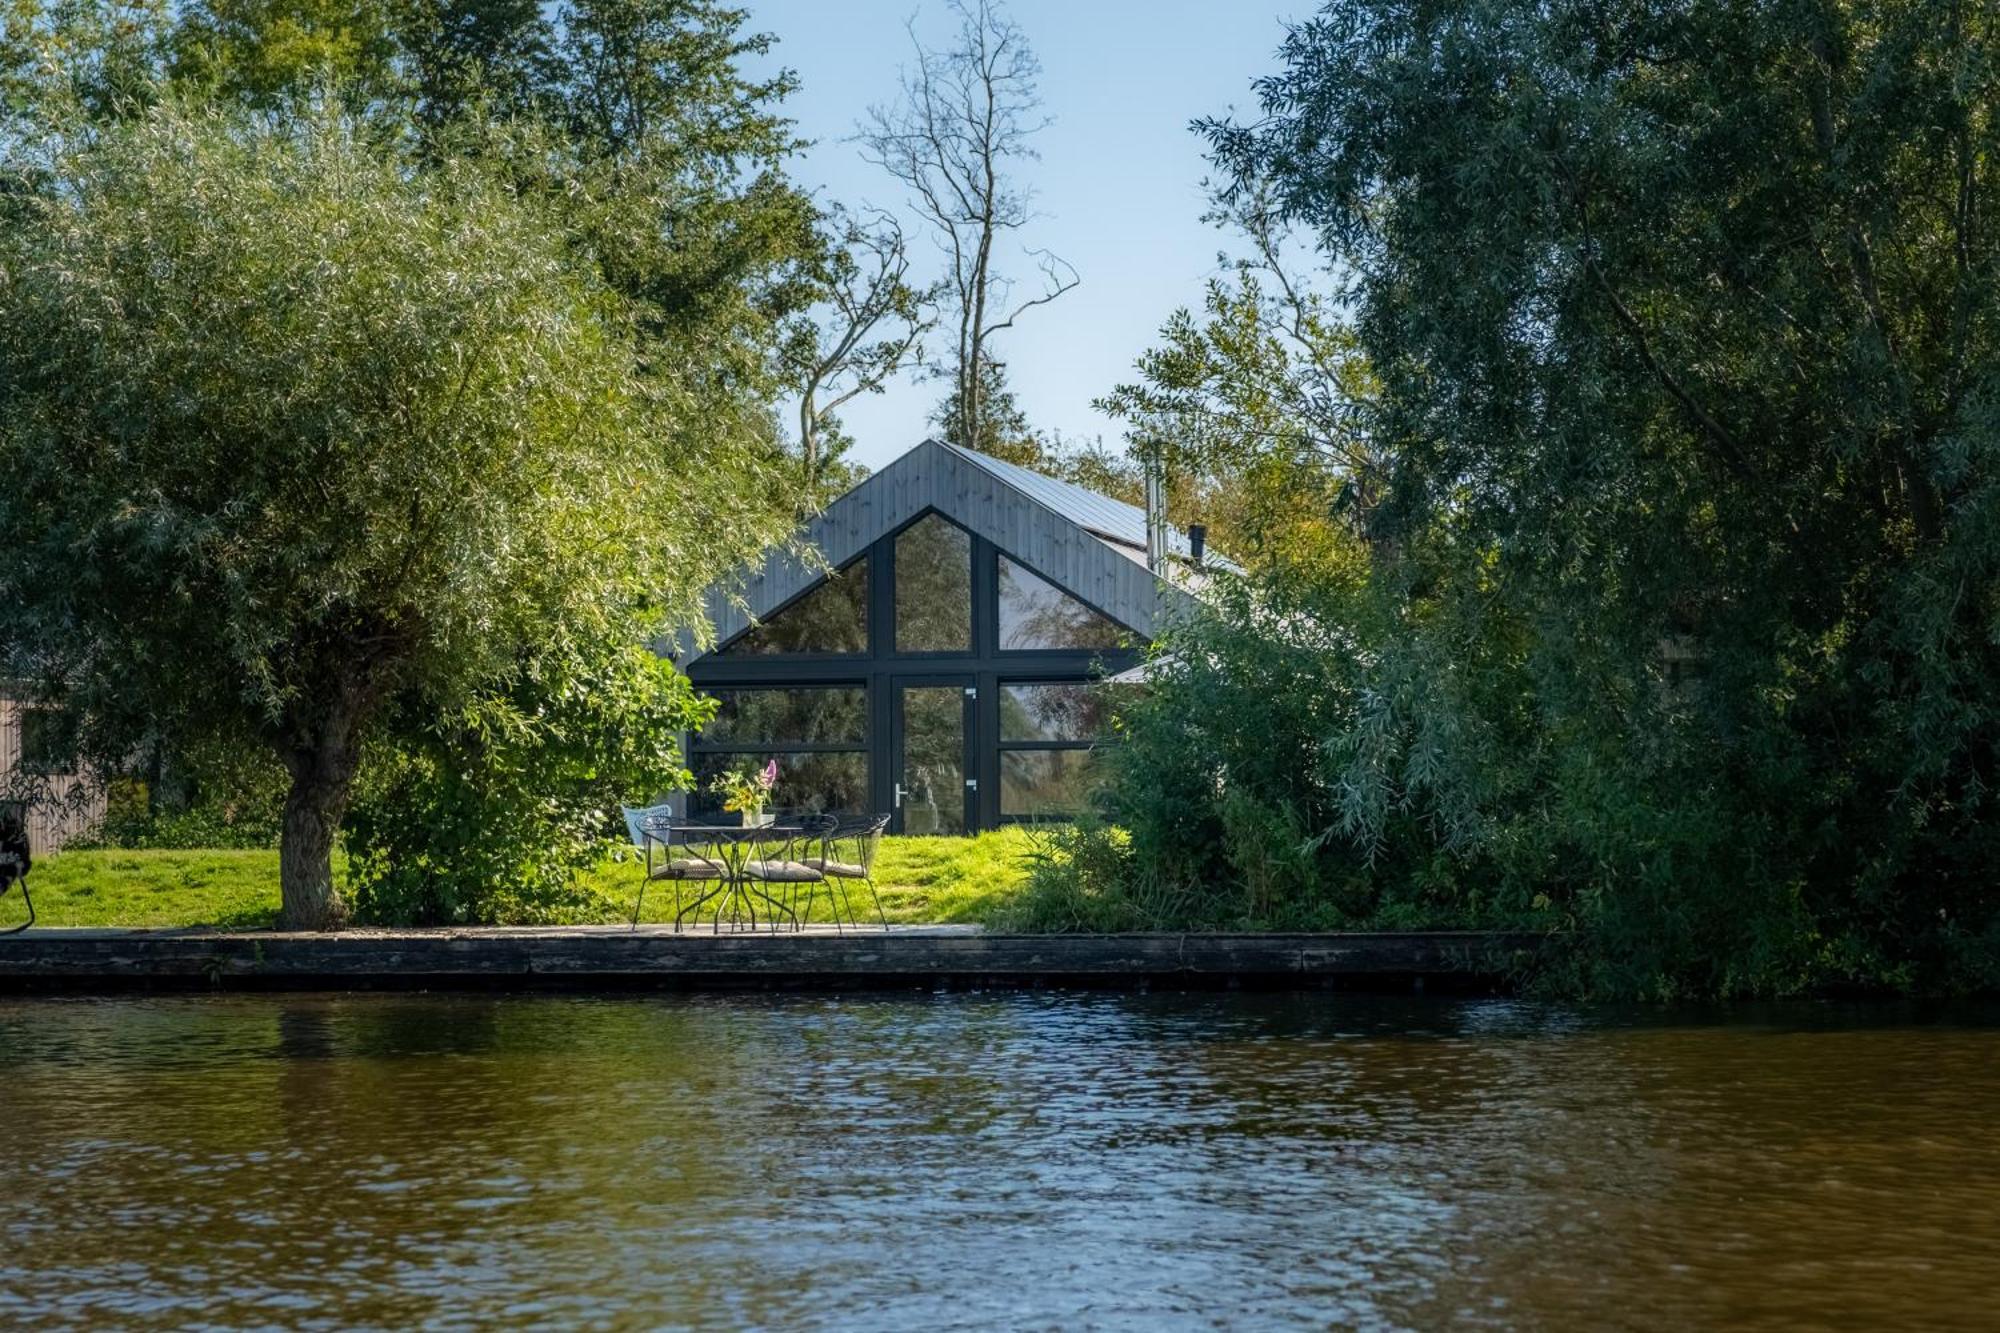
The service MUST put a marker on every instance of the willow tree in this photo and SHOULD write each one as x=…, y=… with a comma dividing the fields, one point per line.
x=289, y=429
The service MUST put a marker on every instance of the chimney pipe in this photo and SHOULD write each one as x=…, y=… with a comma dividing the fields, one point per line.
x=1197, y=541
x=1155, y=469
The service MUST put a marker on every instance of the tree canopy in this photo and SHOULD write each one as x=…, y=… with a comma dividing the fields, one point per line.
x=1680, y=627
x=363, y=433
x=384, y=367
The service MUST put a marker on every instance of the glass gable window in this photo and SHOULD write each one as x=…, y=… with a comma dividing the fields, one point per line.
x=832, y=618
x=1046, y=734
x=818, y=734
x=1034, y=613
x=937, y=678
x=933, y=588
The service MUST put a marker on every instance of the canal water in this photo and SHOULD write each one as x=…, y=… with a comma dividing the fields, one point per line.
x=1002, y=1160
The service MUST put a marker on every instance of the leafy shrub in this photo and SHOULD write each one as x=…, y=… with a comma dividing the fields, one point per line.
x=211, y=796
x=496, y=814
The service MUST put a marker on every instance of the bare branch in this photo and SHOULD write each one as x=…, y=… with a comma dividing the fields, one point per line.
x=868, y=293
x=965, y=114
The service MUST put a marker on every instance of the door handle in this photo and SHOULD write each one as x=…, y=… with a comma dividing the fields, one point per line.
x=900, y=794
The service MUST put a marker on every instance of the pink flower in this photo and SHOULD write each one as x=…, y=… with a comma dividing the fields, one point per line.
x=769, y=777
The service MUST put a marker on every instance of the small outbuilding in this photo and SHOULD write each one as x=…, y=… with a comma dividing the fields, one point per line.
x=61, y=804
x=944, y=658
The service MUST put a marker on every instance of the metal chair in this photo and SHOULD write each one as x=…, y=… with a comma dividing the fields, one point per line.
x=847, y=854
x=791, y=866
x=15, y=862
x=652, y=830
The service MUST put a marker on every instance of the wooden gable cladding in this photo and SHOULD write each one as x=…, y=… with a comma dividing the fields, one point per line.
x=933, y=477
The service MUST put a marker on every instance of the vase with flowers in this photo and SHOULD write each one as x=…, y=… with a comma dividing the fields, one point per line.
x=747, y=794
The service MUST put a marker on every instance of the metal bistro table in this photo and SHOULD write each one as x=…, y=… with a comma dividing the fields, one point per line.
x=733, y=863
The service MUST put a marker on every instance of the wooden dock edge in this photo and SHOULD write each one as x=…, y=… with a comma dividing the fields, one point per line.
x=595, y=958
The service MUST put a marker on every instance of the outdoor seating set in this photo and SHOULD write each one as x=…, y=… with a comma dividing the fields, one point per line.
x=778, y=867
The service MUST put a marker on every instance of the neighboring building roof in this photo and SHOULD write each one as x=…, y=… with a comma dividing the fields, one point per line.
x=1089, y=544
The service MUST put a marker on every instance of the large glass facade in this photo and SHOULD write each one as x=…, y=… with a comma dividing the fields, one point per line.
x=1036, y=614
x=935, y=678
x=933, y=588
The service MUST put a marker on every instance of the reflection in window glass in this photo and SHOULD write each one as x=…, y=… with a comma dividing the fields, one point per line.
x=825, y=715
x=1034, y=613
x=46, y=740
x=933, y=772
x=1047, y=784
x=806, y=782
x=832, y=618
x=1068, y=712
x=933, y=588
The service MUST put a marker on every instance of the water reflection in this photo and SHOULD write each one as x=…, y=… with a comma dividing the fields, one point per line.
x=974, y=1160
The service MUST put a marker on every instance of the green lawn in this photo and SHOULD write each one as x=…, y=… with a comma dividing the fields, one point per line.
x=921, y=880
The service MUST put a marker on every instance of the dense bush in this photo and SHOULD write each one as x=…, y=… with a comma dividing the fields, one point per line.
x=204, y=796
x=1260, y=778
x=130, y=822
x=1269, y=777
x=493, y=814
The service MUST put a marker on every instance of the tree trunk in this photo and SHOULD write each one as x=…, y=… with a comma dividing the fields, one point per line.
x=313, y=809
x=322, y=770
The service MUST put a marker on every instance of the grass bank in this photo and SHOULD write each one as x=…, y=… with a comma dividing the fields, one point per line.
x=922, y=881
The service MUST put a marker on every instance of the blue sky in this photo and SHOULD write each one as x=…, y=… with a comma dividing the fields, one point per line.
x=1118, y=187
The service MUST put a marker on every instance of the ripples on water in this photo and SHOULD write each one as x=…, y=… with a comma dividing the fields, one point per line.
x=1004, y=1160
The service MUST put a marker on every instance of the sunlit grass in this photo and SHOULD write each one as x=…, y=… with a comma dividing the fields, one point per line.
x=125, y=888
x=922, y=881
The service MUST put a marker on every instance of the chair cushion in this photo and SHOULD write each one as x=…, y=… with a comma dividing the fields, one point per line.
x=781, y=872
x=684, y=869
x=838, y=869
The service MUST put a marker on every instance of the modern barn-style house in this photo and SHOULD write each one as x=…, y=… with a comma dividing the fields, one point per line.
x=949, y=668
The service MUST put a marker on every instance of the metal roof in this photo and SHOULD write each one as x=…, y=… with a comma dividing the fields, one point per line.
x=1113, y=520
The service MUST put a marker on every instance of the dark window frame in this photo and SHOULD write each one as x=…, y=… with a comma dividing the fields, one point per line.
x=1005, y=747
x=889, y=645
x=1000, y=736
x=698, y=744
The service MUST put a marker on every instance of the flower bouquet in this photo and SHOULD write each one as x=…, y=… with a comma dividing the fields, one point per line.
x=746, y=794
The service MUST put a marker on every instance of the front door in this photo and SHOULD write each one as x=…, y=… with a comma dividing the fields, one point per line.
x=931, y=755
